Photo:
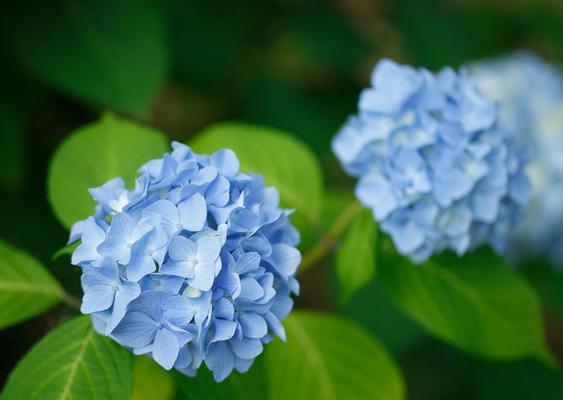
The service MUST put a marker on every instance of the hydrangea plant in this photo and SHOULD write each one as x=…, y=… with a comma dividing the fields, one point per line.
x=529, y=93
x=195, y=264
x=433, y=162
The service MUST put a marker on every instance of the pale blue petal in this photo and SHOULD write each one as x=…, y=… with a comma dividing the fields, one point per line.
x=140, y=266
x=226, y=162
x=136, y=329
x=221, y=360
x=193, y=213
x=218, y=193
x=164, y=209
x=96, y=298
x=253, y=325
x=223, y=330
x=247, y=262
x=250, y=289
x=375, y=192
x=184, y=269
x=175, y=310
x=165, y=348
x=275, y=325
x=246, y=349
x=286, y=259
x=181, y=248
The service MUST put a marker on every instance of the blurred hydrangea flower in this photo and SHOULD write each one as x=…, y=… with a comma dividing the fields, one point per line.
x=195, y=264
x=433, y=164
x=530, y=97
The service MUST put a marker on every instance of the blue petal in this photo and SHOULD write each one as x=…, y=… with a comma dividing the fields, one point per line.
x=225, y=161
x=166, y=348
x=224, y=309
x=221, y=360
x=175, y=310
x=223, y=330
x=247, y=262
x=246, y=349
x=76, y=231
x=193, y=213
x=286, y=259
x=184, y=269
x=205, y=175
x=256, y=244
x=250, y=289
x=242, y=220
x=375, y=192
x=253, y=325
x=164, y=209
x=275, y=325
x=136, y=329
x=96, y=298
x=181, y=248
x=208, y=248
x=139, y=266
x=243, y=366
x=394, y=84
x=406, y=236
x=217, y=193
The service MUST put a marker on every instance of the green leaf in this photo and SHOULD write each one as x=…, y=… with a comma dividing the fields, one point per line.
x=94, y=154
x=65, y=251
x=72, y=362
x=109, y=53
x=284, y=161
x=371, y=308
x=327, y=357
x=151, y=381
x=355, y=260
x=475, y=302
x=26, y=287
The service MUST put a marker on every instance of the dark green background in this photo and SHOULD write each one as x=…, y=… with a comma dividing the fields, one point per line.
x=295, y=65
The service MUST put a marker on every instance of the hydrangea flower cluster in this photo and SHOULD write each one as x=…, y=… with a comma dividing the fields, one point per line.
x=530, y=97
x=195, y=264
x=433, y=164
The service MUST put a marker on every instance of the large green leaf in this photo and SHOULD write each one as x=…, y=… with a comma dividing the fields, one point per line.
x=475, y=302
x=284, y=162
x=94, y=154
x=26, y=287
x=355, y=260
x=327, y=357
x=110, y=53
x=72, y=362
x=151, y=381
x=375, y=311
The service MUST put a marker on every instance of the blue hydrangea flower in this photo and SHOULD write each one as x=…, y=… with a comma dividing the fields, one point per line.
x=433, y=164
x=195, y=264
x=530, y=97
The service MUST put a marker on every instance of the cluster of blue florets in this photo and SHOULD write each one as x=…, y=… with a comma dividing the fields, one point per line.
x=530, y=97
x=195, y=264
x=434, y=164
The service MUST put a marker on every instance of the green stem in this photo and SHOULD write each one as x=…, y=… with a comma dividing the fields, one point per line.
x=71, y=301
x=329, y=240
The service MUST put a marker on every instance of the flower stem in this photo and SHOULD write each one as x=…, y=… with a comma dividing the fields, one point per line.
x=329, y=240
x=71, y=301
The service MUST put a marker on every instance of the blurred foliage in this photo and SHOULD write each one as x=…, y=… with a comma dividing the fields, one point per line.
x=295, y=65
